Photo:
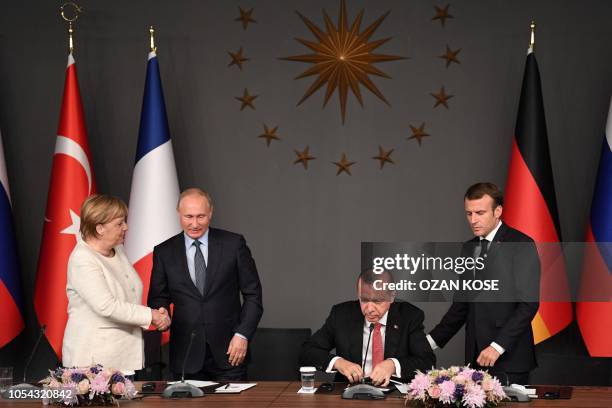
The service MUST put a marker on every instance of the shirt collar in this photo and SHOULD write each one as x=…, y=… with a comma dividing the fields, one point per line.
x=491, y=234
x=382, y=320
x=189, y=241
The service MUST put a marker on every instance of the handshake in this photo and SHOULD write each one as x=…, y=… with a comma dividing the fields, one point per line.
x=160, y=319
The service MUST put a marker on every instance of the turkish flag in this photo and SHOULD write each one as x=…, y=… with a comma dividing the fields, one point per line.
x=72, y=181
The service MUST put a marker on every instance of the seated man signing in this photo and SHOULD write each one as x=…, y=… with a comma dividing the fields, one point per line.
x=397, y=346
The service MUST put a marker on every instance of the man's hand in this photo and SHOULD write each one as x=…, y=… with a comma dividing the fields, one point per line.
x=348, y=369
x=237, y=350
x=488, y=357
x=160, y=319
x=382, y=373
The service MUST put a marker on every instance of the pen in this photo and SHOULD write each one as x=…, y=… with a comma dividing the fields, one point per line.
x=227, y=386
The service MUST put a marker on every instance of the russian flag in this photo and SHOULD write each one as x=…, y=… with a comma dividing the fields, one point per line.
x=152, y=214
x=595, y=317
x=11, y=301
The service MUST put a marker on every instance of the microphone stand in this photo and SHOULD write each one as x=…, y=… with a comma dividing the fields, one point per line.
x=25, y=386
x=183, y=389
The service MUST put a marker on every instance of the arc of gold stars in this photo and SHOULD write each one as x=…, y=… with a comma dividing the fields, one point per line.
x=246, y=99
x=245, y=17
x=442, y=14
x=384, y=156
x=344, y=165
x=269, y=134
x=451, y=56
x=237, y=58
x=441, y=98
x=418, y=133
x=343, y=58
x=303, y=157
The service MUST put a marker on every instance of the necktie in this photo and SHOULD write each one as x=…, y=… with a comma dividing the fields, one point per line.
x=483, y=247
x=377, y=346
x=200, y=267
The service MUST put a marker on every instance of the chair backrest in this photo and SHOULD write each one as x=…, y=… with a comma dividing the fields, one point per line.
x=275, y=352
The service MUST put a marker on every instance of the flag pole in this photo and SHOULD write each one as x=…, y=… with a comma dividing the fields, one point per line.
x=532, y=39
x=152, y=39
x=70, y=18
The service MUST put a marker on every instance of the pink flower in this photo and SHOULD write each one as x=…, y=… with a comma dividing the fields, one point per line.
x=130, y=390
x=118, y=388
x=434, y=391
x=447, y=389
x=83, y=387
x=460, y=379
x=99, y=385
x=488, y=384
x=474, y=396
x=419, y=384
x=443, y=373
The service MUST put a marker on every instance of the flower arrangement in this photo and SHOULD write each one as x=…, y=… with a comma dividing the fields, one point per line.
x=88, y=386
x=456, y=387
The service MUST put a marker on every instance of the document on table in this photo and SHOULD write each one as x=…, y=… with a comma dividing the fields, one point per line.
x=234, y=388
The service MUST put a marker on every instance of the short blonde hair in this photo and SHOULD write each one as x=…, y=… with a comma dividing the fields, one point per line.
x=194, y=191
x=100, y=209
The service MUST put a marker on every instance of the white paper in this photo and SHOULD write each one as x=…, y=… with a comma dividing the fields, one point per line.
x=403, y=388
x=234, y=387
x=196, y=383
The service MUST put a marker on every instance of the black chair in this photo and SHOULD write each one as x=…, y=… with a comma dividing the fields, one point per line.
x=154, y=365
x=275, y=352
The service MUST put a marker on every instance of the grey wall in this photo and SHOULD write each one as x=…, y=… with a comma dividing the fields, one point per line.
x=305, y=227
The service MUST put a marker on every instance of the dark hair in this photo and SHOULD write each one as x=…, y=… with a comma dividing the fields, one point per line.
x=479, y=190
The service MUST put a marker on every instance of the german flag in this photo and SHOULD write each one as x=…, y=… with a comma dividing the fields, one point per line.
x=530, y=203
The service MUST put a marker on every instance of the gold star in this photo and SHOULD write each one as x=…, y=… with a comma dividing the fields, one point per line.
x=237, y=58
x=246, y=99
x=384, y=157
x=418, y=133
x=451, y=56
x=269, y=134
x=441, y=98
x=343, y=58
x=245, y=17
x=303, y=157
x=442, y=14
x=344, y=165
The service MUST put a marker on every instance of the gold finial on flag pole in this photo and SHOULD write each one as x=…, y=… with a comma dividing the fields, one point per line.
x=152, y=35
x=70, y=17
x=532, y=39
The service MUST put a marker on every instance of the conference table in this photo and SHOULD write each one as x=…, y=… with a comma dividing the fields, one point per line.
x=284, y=394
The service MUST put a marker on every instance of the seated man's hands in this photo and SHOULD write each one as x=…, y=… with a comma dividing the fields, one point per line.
x=382, y=373
x=160, y=319
x=349, y=369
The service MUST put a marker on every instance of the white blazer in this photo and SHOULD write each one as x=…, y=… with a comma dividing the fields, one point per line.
x=105, y=314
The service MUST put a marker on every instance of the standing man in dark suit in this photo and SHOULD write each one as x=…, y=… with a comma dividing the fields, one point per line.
x=203, y=271
x=393, y=330
x=498, y=332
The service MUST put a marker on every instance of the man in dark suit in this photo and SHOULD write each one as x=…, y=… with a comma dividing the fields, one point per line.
x=391, y=332
x=203, y=271
x=498, y=324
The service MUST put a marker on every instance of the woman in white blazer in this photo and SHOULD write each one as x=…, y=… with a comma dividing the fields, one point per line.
x=105, y=314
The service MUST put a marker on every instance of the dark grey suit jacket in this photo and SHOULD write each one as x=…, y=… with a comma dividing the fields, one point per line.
x=218, y=314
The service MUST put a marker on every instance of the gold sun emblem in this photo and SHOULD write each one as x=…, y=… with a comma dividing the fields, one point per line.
x=343, y=57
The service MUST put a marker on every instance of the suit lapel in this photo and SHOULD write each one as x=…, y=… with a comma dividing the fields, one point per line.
x=215, y=249
x=392, y=331
x=181, y=255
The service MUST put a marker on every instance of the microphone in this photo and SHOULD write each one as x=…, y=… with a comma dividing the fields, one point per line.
x=362, y=390
x=182, y=389
x=365, y=356
x=24, y=386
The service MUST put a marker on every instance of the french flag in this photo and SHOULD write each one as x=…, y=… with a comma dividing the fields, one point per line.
x=594, y=313
x=152, y=211
x=11, y=301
